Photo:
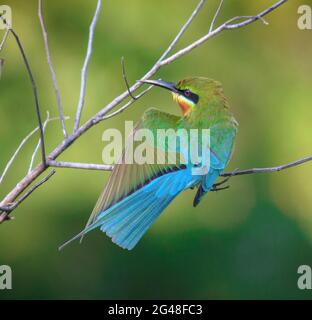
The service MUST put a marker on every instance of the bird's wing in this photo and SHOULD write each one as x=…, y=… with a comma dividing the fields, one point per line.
x=125, y=178
x=222, y=136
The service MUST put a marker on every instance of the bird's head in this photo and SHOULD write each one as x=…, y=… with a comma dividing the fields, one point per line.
x=193, y=93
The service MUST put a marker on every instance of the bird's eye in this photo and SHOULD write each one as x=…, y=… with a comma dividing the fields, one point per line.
x=187, y=93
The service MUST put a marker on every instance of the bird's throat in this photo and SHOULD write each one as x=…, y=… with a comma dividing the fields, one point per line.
x=185, y=104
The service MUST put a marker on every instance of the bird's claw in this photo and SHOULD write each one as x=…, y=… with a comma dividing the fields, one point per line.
x=215, y=188
x=225, y=180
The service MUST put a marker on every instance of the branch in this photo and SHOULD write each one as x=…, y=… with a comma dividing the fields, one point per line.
x=224, y=26
x=128, y=104
x=270, y=169
x=125, y=79
x=7, y=31
x=38, y=144
x=9, y=164
x=49, y=60
x=101, y=167
x=48, y=119
x=12, y=159
x=181, y=32
x=216, y=16
x=7, y=209
x=77, y=165
x=34, y=87
x=85, y=66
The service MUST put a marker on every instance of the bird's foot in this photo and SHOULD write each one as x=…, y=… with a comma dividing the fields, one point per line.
x=225, y=180
x=215, y=188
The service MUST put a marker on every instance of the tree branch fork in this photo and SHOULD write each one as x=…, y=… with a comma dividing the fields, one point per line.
x=28, y=184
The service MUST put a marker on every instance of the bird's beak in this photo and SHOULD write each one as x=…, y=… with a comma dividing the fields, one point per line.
x=163, y=84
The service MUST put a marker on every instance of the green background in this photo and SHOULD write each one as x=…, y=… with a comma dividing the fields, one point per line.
x=246, y=242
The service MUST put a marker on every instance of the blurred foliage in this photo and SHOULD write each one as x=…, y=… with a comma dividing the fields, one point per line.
x=246, y=242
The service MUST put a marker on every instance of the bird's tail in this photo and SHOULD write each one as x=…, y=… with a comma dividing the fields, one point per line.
x=128, y=220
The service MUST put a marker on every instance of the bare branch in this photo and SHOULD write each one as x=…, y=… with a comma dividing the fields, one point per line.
x=100, y=167
x=181, y=32
x=265, y=170
x=224, y=26
x=38, y=144
x=7, y=209
x=48, y=119
x=125, y=78
x=9, y=164
x=85, y=66
x=34, y=87
x=229, y=24
x=128, y=104
x=77, y=165
x=7, y=31
x=216, y=16
x=49, y=60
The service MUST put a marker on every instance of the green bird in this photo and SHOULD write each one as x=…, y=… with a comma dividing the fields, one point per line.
x=136, y=194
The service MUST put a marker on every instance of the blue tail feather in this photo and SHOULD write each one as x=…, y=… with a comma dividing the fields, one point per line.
x=127, y=221
x=135, y=234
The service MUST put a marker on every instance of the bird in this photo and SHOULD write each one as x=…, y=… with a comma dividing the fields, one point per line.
x=136, y=194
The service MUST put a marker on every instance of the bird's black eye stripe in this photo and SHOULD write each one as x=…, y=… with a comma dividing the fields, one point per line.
x=190, y=95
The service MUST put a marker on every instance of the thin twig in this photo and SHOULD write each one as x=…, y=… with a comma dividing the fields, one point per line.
x=266, y=170
x=9, y=164
x=85, y=66
x=229, y=24
x=100, y=167
x=181, y=32
x=77, y=165
x=49, y=60
x=34, y=87
x=7, y=31
x=48, y=119
x=125, y=78
x=7, y=209
x=218, y=30
x=124, y=107
x=216, y=16
x=38, y=144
